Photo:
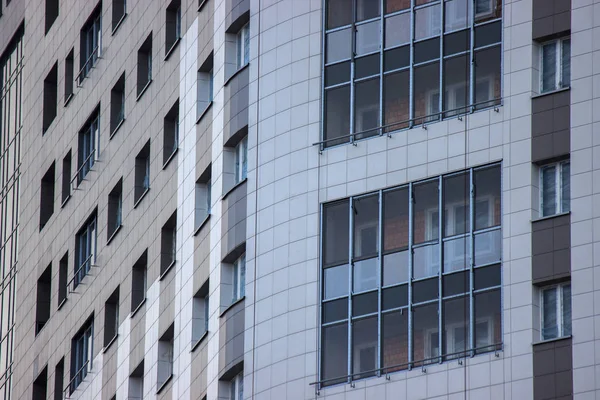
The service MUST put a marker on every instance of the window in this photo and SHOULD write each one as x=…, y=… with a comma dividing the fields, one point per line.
x=50, y=97
x=241, y=160
x=205, y=86
x=555, y=183
x=119, y=12
x=168, y=244
x=81, y=353
x=66, y=178
x=556, y=65
x=88, y=145
x=243, y=46
x=165, y=358
x=138, y=282
x=378, y=248
x=136, y=383
x=144, y=66
x=236, y=387
x=69, y=66
x=115, y=210
x=239, y=278
x=63, y=274
x=111, y=317
x=90, y=43
x=51, y=14
x=173, y=28
x=85, y=250
x=40, y=385
x=171, y=134
x=59, y=376
x=407, y=64
x=556, y=311
x=203, y=198
x=142, y=173
x=117, y=105
x=200, y=314
x=47, y=197
x=42, y=309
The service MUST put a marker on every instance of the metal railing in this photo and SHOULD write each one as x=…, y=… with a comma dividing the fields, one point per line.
x=67, y=391
x=76, y=274
x=411, y=122
x=82, y=74
x=86, y=163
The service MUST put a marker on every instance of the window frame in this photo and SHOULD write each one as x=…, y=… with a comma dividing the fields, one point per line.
x=560, y=311
x=239, y=278
x=91, y=41
x=558, y=45
x=558, y=185
x=236, y=387
x=82, y=354
x=241, y=160
x=242, y=46
x=86, y=242
x=89, y=136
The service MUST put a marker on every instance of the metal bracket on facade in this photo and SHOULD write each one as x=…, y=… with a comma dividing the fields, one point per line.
x=460, y=361
x=423, y=369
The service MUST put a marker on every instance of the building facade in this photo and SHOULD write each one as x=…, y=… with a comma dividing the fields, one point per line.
x=272, y=199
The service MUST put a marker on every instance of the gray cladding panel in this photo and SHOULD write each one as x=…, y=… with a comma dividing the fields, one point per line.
x=551, y=248
x=202, y=256
x=204, y=142
x=234, y=220
x=552, y=370
x=235, y=10
x=236, y=104
x=137, y=339
x=551, y=17
x=550, y=123
x=231, y=338
x=109, y=372
x=167, y=300
x=199, y=366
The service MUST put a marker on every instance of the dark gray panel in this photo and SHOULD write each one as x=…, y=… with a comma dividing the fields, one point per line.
x=550, y=126
x=552, y=370
x=236, y=103
x=551, y=248
x=231, y=338
x=551, y=18
x=233, y=220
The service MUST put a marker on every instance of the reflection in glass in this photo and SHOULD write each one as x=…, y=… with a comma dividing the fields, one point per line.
x=427, y=22
x=335, y=227
x=426, y=261
x=336, y=282
x=395, y=268
x=457, y=254
x=397, y=30
x=339, y=45
x=367, y=38
x=365, y=275
x=456, y=15
x=488, y=247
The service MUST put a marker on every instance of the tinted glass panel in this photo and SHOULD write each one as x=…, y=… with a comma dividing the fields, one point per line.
x=427, y=50
x=336, y=227
x=366, y=226
x=488, y=34
x=367, y=38
x=487, y=277
x=487, y=197
x=426, y=212
x=456, y=86
x=456, y=283
x=335, y=310
x=367, y=9
x=338, y=73
x=425, y=333
x=395, y=268
x=456, y=204
x=487, y=77
x=426, y=261
x=549, y=316
x=427, y=22
x=566, y=187
x=395, y=219
x=394, y=344
x=366, y=66
x=456, y=326
x=366, y=111
x=397, y=30
x=365, y=275
x=396, y=58
x=566, y=63
x=457, y=42
x=396, y=5
x=338, y=13
x=336, y=282
x=427, y=97
x=486, y=10
x=364, y=304
x=549, y=190
x=335, y=352
x=395, y=297
x=364, y=347
x=488, y=247
x=425, y=290
x=488, y=319
x=457, y=254
x=337, y=110
x=339, y=45
x=456, y=15
x=566, y=309
x=396, y=100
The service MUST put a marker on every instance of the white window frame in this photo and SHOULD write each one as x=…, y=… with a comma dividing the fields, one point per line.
x=239, y=278
x=559, y=310
x=558, y=67
x=241, y=160
x=483, y=14
x=236, y=387
x=242, y=42
x=558, y=182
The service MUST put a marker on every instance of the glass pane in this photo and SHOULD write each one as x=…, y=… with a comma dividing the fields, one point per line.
x=397, y=30
x=456, y=204
x=549, y=317
x=427, y=92
x=337, y=114
x=367, y=38
x=486, y=10
x=427, y=50
x=549, y=67
x=454, y=284
x=425, y=290
x=335, y=235
x=549, y=190
x=338, y=13
x=366, y=226
x=395, y=268
x=339, y=45
x=566, y=310
x=335, y=310
x=396, y=5
x=456, y=326
x=396, y=100
x=566, y=187
x=488, y=321
x=395, y=219
x=487, y=77
x=366, y=111
x=427, y=22
x=396, y=58
x=335, y=353
x=566, y=63
x=394, y=344
x=365, y=304
x=457, y=42
x=487, y=277
x=426, y=212
x=456, y=15
x=364, y=347
x=367, y=9
x=338, y=73
x=426, y=261
x=488, y=247
x=456, y=93
x=395, y=297
x=366, y=66
x=425, y=333
x=488, y=34
x=365, y=275
x=335, y=282
x=487, y=197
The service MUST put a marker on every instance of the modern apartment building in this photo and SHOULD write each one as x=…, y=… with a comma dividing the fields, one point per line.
x=299, y=199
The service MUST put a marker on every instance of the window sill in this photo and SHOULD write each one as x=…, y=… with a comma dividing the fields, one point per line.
x=551, y=216
x=68, y=99
x=172, y=48
x=236, y=73
x=164, y=384
x=199, y=228
x=116, y=129
x=138, y=201
x=139, y=306
x=166, y=271
x=118, y=25
x=202, y=4
x=229, y=307
x=65, y=201
x=173, y=154
x=62, y=303
x=110, y=238
x=141, y=93
x=558, y=339
x=106, y=347
x=197, y=342
x=565, y=89
x=201, y=115
x=240, y=183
